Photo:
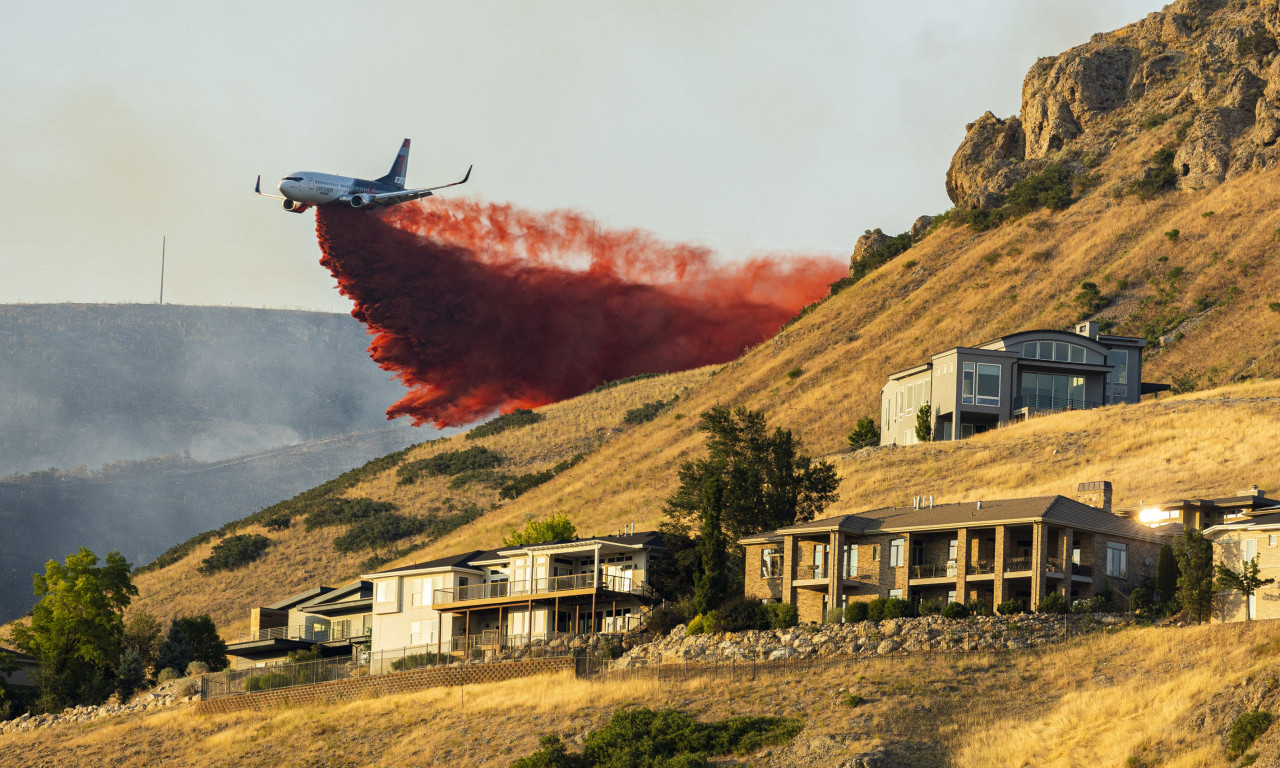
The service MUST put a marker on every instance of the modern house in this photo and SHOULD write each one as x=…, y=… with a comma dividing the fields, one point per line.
x=1204, y=513
x=973, y=389
x=993, y=551
x=335, y=621
x=1236, y=541
x=513, y=595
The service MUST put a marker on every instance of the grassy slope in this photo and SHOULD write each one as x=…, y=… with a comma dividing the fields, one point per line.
x=1173, y=691
x=947, y=290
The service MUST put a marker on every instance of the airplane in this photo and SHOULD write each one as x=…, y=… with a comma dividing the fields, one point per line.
x=303, y=189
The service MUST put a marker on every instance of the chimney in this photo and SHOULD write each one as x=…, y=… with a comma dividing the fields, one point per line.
x=1095, y=494
x=1088, y=330
x=930, y=502
x=979, y=503
x=1253, y=491
x=915, y=502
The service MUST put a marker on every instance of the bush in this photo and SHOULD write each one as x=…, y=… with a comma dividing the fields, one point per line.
x=929, y=608
x=167, y=674
x=449, y=463
x=875, y=609
x=197, y=668
x=696, y=626
x=642, y=737
x=1142, y=600
x=1052, y=603
x=520, y=417
x=873, y=258
x=1092, y=605
x=414, y=660
x=855, y=611
x=377, y=531
x=833, y=616
x=234, y=552
x=269, y=680
x=1245, y=729
x=897, y=608
x=954, y=610
x=852, y=700
x=978, y=607
x=865, y=433
x=1158, y=177
x=520, y=484
x=780, y=615
x=1009, y=608
x=648, y=411
x=344, y=511
x=663, y=619
x=277, y=521
x=737, y=615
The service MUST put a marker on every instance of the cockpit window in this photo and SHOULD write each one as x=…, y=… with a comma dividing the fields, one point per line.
x=293, y=178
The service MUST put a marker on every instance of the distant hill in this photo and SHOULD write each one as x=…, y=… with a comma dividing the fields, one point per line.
x=94, y=383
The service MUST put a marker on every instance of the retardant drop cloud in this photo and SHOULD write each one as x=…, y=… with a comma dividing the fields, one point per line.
x=480, y=307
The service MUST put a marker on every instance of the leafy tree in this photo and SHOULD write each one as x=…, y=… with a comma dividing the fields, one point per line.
x=77, y=627
x=711, y=584
x=206, y=645
x=1167, y=574
x=142, y=636
x=865, y=433
x=924, y=423
x=131, y=674
x=538, y=531
x=1246, y=581
x=175, y=652
x=1194, y=555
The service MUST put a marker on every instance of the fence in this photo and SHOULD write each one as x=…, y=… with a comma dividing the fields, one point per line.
x=234, y=682
x=503, y=589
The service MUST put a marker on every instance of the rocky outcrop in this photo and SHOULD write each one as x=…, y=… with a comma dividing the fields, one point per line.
x=930, y=634
x=871, y=239
x=1209, y=66
x=145, y=702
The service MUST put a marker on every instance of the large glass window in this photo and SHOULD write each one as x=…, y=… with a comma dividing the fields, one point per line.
x=849, y=561
x=1118, y=380
x=896, y=553
x=770, y=563
x=386, y=592
x=820, y=560
x=966, y=389
x=1116, y=556
x=1059, y=351
x=988, y=389
x=1054, y=391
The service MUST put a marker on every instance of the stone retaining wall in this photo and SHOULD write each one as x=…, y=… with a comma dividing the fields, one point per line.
x=382, y=685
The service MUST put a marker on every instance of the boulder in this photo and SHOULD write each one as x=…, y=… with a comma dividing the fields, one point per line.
x=982, y=165
x=887, y=646
x=871, y=238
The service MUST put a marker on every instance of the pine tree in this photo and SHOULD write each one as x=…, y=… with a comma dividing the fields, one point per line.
x=1194, y=555
x=175, y=652
x=1167, y=575
x=711, y=585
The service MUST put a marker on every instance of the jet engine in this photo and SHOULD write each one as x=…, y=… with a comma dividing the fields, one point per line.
x=361, y=200
x=293, y=206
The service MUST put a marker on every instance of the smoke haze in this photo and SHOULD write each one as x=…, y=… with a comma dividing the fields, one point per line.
x=481, y=307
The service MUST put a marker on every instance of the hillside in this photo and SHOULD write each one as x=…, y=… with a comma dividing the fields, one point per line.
x=1161, y=697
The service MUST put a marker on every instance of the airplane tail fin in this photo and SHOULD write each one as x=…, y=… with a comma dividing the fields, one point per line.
x=400, y=168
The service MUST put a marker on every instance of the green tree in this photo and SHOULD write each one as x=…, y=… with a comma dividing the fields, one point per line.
x=538, y=531
x=142, y=636
x=1194, y=555
x=924, y=423
x=1167, y=574
x=865, y=433
x=711, y=584
x=130, y=675
x=1246, y=581
x=77, y=627
x=175, y=652
x=206, y=645
x=8, y=665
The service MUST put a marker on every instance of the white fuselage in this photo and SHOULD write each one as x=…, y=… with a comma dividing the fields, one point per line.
x=316, y=188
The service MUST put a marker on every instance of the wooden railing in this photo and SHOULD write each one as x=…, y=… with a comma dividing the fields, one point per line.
x=503, y=589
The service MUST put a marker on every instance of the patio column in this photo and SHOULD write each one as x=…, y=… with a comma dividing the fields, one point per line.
x=997, y=581
x=1039, y=560
x=962, y=565
x=1064, y=546
x=834, y=565
x=790, y=557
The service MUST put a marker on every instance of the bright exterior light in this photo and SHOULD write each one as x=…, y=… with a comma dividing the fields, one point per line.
x=1154, y=515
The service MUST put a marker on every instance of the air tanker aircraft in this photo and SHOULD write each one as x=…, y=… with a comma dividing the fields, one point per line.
x=301, y=190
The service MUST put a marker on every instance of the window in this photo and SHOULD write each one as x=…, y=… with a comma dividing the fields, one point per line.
x=896, y=548
x=951, y=596
x=966, y=387
x=1250, y=550
x=951, y=549
x=1058, y=351
x=849, y=561
x=988, y=390
x=770, y=563
x=1118, y=379
x=895, y=593
x=415, y=590
x=1271, y=540
x=820, y=552
x=1052, y=391
x=875, y=553
x=386, y=592
x=1116, y=556
x=415, y=633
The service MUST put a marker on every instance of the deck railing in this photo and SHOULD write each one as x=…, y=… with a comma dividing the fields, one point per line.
x=311, y=633
x=502, y=589
x=1052, y=403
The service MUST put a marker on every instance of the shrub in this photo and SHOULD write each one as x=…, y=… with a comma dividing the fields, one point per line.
x=234, y=552
x=978, y=607
x=520, y=417
x=1172, y=235
x=929, y=608
x=1157, y=177
x=1052, y=603
x=780, y=615
x=696, y=626
x=413, y=661
x=875, y=609
x=1245, y=729
x=521, y=484
x=864, y=433
x=1092, y=605
x=855, y=611
x=1274, y=306
x=1009, y=608
x=269, y=680
x=277, y=521
x=167, y=674
x=954, y=610
x=485, y=477
x=449, y=463
x=663, y=619
x=648, y=412
x=377, y=531
x=341, y=511
x=795, y=373
x=833, y=616
x=1090, y=300
x=852, y=700
x=878, y=255
x=738, y=614
x=197, y=668
x=1142, y=600
x=897, y=608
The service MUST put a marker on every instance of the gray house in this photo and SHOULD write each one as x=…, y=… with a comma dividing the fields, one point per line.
x=973, y=389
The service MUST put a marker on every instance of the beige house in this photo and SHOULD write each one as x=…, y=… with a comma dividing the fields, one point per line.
x=513, y=595
x=993, y=551
x=1201, y=512
x=335, y=621
x=1236, y=542
x=973, y=389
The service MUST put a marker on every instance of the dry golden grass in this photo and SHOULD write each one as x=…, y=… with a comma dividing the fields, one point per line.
x=1137, y=697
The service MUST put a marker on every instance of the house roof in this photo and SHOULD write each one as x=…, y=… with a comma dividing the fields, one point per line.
x=1252, y=523
x=968, y=514
x=460, y=560
x=293, y=601
x=469, y=560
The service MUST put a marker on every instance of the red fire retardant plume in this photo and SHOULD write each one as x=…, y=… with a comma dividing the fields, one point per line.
x=481, y=307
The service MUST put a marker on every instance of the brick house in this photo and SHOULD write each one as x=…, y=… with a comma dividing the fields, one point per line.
x=1236, y=542
x=1007, y=549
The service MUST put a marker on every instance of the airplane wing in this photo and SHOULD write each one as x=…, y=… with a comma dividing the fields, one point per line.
x=404, y=196
x=257, y=187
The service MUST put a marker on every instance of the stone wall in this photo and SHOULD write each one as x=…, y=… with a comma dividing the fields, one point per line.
x=927, y=634
x=382, y=685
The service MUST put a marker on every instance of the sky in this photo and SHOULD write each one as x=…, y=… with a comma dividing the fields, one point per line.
x=749, y=127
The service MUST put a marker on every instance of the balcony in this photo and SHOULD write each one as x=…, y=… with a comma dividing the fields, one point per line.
x=501, y=590
x=981, y=567
x=934, y=571
x=312, y=634
x=1017, y=564
x=1053, y=403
